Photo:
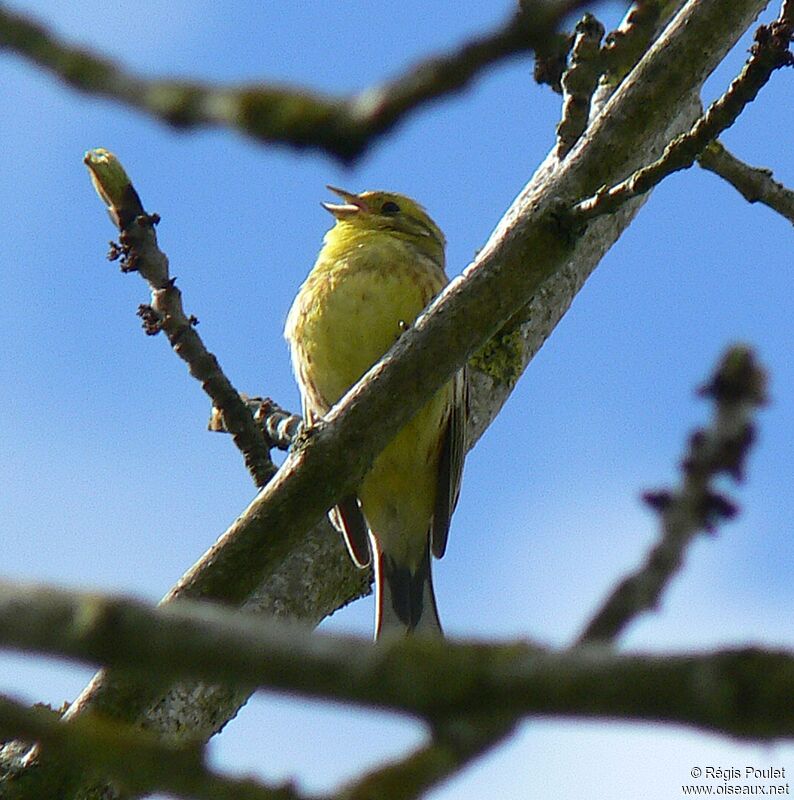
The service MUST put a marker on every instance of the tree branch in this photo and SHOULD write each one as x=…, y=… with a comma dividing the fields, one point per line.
x=769, y=53
x=279, y=425
x=755, y=184
x=743, y=692
x=139, y=252
x=738, y=388
x=343, y=127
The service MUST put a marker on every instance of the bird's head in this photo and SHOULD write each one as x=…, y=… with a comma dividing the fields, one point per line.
x=392, y=212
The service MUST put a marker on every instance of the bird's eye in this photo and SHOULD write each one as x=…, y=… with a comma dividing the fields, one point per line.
x=390, y=207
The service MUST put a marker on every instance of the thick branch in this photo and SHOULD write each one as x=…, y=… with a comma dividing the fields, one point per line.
x=744, y=692
x=755, y=184
x=343, y=127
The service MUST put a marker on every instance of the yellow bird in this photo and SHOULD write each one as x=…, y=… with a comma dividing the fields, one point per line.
x=379, y=267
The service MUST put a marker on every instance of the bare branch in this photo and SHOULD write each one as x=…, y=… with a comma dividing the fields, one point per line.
x=453, y=685
x=770, y=52
x=737, y=389
x=343, y=127
x=755, y=184
x=139, y=252
x=280, y=426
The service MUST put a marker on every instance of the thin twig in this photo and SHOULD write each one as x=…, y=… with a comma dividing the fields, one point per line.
x=279, y=425
x=769, y=52
x=139, y=252
x=343, y=127
x=737, y=389
x=755, y=184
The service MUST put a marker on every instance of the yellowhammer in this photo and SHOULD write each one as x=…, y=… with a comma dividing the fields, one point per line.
x=380, y=265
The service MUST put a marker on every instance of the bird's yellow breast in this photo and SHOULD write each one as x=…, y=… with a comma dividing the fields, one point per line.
x=354, y=305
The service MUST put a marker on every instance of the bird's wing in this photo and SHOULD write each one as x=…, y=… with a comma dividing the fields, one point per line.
x=450, y=465
x=346, y=516
x=348, y=519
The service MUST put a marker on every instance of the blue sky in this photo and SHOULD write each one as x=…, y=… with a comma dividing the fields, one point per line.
x=109, y=480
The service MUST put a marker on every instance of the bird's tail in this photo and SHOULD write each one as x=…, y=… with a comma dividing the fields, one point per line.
x=404, y=599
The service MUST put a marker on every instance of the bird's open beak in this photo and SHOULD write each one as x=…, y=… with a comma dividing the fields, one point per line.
x=353, y=204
